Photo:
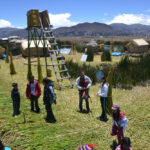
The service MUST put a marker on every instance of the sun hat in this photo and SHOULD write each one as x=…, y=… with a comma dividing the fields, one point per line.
x=115, y=107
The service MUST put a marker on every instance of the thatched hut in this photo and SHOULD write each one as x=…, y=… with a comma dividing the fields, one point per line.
x=33, y=50
x=138, y=46
x=92, y=43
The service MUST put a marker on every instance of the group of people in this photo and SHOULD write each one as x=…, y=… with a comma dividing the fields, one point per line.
x=33, y=92
x=119, y=120
x=83, y=83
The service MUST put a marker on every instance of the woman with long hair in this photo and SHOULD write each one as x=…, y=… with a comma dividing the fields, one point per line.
x=103, y=94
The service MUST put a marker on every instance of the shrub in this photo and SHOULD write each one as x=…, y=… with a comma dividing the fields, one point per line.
x=29, y=64
x=12, y=67
x=39, y=69
x=7, y=55
x=106, y=56
x=74, y=70
x=80, y=47
x=90, y=54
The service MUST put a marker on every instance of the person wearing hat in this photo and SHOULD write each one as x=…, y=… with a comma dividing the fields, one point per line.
x=119, y=123
x=83, y=83
x=103, y=94
x=33, y=92
x=49, y=98
x=15, y=95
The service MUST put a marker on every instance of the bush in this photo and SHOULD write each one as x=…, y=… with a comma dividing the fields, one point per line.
x=74, y=70
x=12, y=67
x=80, y=47
x=106, y=56
x=90, y=54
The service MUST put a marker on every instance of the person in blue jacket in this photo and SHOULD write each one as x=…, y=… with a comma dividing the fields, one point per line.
x=49, y=98
x=15, y=95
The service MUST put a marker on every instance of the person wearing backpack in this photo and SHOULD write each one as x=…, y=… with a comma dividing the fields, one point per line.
x=33, y=92
x=49, y=98
x=83, y=83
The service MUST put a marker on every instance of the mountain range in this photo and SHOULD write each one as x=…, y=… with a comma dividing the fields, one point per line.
x=88, y=29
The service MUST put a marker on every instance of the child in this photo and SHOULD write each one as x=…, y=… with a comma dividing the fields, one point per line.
x=49, y=98
x=15, y=95
x=119, y=122
x=125, y=144
x=103, y=93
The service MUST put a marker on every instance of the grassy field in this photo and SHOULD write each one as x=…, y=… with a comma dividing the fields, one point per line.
x=72, y=128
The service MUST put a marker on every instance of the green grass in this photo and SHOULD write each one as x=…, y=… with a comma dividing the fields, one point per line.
x=72, y=128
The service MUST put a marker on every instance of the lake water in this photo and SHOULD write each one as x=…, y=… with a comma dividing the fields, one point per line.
x=65, y=50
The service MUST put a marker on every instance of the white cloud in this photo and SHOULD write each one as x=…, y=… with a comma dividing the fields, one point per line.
x=131, y=19
x=5, y=23
x=147, y=10
x=61, y=20
x=106, y=14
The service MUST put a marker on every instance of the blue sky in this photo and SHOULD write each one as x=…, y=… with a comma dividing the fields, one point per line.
x=71, y=12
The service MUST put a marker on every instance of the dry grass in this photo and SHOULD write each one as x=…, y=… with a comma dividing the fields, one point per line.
x=72, y=128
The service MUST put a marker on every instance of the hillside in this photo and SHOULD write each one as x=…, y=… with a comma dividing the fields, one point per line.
x=88, y=29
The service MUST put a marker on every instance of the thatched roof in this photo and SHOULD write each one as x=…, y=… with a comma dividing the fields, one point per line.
x=92, y=43
x=140, y=42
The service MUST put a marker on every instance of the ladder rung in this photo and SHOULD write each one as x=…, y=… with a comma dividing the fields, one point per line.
x=57, y=64
x=62, y=70
x=53, y=43
x=65, y=78
x=66, y=85
x=53, y=51
x=60, y=57
x=47, y=31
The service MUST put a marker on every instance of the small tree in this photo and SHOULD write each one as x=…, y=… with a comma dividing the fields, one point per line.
x=110, y=101
x=12, y=67
x=73, y=50
x=39, y=69
x=7, y=55
x=106, y=56
x=90, y=54
x=29, y=64
x=111, y=47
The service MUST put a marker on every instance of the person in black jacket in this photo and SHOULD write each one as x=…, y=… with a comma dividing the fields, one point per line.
x=15, y=95
x=49, y=98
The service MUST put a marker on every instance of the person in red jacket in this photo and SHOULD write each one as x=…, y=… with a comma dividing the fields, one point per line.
x=33, y=92
x=83, y=83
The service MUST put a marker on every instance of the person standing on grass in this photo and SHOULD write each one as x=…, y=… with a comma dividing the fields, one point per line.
x=125, y=144
x=119, y=123
x=49, y=98
x=83, y=84
x=33, y=92
x=15, y=95
x=103, y=94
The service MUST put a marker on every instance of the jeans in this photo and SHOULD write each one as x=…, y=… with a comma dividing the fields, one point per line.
x=81, y=100
x=50, y=116
x=16, y=107
x=34, y=102
x=117, y=131
x=103, y=101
